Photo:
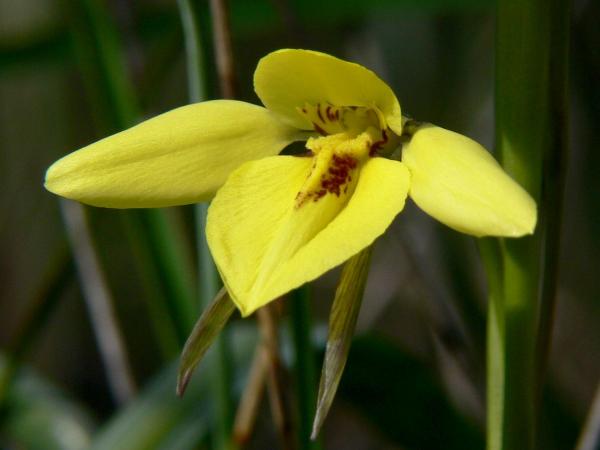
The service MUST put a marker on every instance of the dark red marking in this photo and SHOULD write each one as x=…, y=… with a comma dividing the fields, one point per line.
x=330, y=114
x=338, y=175
x=378, y=145
x=319, y=194
x=319, y=112
x=319, y=130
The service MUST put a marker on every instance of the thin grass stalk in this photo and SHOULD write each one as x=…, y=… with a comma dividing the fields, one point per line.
x=162, y=322
x=208, y=277
x=304, y=366
x=527, y=128
x=269, y=327
x=249, y=405
x=99, y=304
x=223, y=47
x=590, y=433
x=116, y=108
x=495, y=357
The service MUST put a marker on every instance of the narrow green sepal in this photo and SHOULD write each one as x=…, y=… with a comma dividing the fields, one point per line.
x=205, y=331
x=342, y=321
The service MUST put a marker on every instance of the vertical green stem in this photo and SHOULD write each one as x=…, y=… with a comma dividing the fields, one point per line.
x=530, y=127
x=304, y=365
x=208, y=277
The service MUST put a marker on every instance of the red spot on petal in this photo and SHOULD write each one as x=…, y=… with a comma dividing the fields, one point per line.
x=338, y=175
x=319, y=130
x=378, y=145
x=319, y=112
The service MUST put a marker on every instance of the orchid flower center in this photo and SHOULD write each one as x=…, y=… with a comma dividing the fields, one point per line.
x=349, y=136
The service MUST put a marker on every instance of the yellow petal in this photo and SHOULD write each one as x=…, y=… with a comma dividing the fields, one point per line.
x=180, y=157
x=288, y=79
x=455, y=180
x=264, y=245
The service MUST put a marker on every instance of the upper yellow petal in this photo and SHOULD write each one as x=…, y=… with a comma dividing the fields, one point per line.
x=455, y=180
x=180, y=157
x=286, y=80
x=265, y=244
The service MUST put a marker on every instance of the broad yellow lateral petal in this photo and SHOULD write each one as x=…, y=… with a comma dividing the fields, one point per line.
x=180, y=157
x=288, y=79
x=265, y=246
x=455, y=180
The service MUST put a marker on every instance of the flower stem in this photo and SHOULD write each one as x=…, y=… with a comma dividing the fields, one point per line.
x=208, y=277
x=531, y=128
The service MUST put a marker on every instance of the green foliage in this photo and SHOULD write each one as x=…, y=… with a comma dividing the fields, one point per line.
x=38, y=416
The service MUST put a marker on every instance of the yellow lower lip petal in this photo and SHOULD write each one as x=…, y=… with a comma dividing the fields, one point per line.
x=456, y=181
x=180, y=157
x=264, y=245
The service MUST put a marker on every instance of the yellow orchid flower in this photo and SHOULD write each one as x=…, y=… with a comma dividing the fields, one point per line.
x=277, y=222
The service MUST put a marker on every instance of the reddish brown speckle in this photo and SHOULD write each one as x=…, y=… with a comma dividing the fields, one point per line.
x=319, y=194
x=330, y=114
x=338, y=175
x=378, y=145
x=319, y=112
x=319, y=130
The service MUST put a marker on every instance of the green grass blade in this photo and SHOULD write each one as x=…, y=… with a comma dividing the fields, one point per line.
x=530, y=127
x=304, y=365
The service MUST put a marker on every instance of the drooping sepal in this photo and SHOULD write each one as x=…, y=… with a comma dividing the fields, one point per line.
x=342, y=322
x=205, y=331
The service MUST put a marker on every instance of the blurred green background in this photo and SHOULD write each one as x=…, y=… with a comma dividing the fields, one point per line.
x=415, y=376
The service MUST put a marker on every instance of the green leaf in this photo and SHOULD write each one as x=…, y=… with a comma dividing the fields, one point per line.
x=342, y=322
x=207, y=328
